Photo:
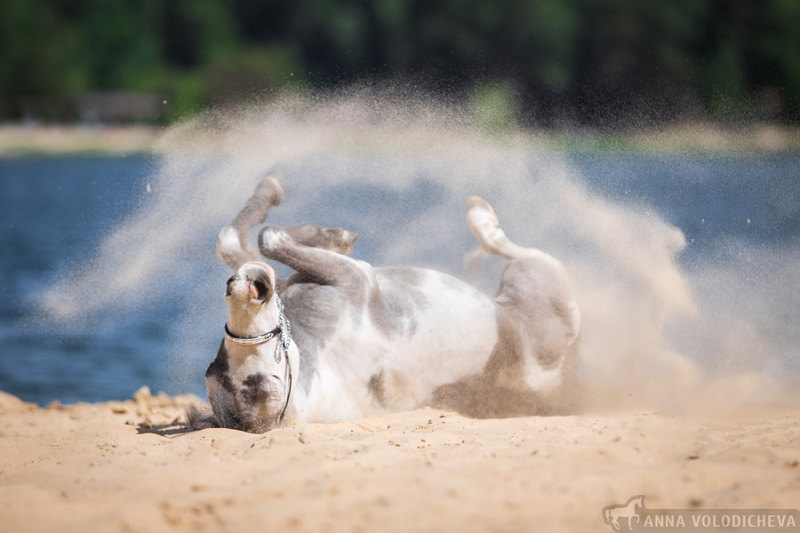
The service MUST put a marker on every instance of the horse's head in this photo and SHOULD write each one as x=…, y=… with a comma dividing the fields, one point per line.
x=249, y=383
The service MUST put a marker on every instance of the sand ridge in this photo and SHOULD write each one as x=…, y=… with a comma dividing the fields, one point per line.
x=131, y=466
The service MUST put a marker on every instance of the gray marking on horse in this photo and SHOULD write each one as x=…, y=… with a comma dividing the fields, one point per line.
x=376, y=386
x=253, y=391
x=218, y=369
x=314, y=313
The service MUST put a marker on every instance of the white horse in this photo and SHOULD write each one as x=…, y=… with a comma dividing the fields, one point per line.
x=341, y=339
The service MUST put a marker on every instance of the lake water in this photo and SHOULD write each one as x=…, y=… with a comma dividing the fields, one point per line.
x=99, y=235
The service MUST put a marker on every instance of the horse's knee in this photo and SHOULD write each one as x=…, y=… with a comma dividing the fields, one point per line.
x=272, y=240
x=334, y=239
x=230, y=248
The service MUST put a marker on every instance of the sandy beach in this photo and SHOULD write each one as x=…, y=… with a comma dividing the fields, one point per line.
x=131, y=466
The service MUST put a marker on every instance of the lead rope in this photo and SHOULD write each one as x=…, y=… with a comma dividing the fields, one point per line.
x=285, y=342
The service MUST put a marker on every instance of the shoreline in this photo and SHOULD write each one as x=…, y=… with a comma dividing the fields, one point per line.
x=131, y=466
x=54, y=140
x=20, y=140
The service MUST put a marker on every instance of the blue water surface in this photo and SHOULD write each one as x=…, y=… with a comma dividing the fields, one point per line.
x=53, y=212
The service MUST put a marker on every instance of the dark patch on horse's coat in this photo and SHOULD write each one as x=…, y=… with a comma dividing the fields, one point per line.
x=219, y=367
x=253, y=391
x=225, y=410
x=377, y=387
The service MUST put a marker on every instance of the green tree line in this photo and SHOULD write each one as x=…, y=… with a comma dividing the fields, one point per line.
x=550, y=62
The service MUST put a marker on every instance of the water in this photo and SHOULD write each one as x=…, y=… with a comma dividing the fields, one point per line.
x=712, y=198
x=685, y=265
x=53, y=213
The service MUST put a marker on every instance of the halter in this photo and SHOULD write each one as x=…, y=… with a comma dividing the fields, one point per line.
x=283, y=329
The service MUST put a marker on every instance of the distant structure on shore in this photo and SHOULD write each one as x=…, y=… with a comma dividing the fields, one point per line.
x=119, y=106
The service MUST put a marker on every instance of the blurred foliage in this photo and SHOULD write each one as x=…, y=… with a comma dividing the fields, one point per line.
x=528, y=62
x=494, y=106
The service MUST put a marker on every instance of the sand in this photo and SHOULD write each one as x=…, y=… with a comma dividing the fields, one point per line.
x=131, y=466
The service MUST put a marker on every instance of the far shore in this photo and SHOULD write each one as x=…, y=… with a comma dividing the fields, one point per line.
x=110, y=139
x=42, y=139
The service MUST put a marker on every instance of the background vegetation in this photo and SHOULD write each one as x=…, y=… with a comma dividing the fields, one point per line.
x=600, y=63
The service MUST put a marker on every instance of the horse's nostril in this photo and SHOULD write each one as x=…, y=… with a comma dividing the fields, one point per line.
x=261, y=289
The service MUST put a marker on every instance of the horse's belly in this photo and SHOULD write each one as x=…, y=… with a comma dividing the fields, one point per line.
x=432, y=329
x=454, y=333
x=449, y=331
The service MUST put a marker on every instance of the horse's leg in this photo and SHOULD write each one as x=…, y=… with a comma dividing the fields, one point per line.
x=535, y=309
x=334, y=239
x=232, y=245
x=314, y=263
x=485, y=225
